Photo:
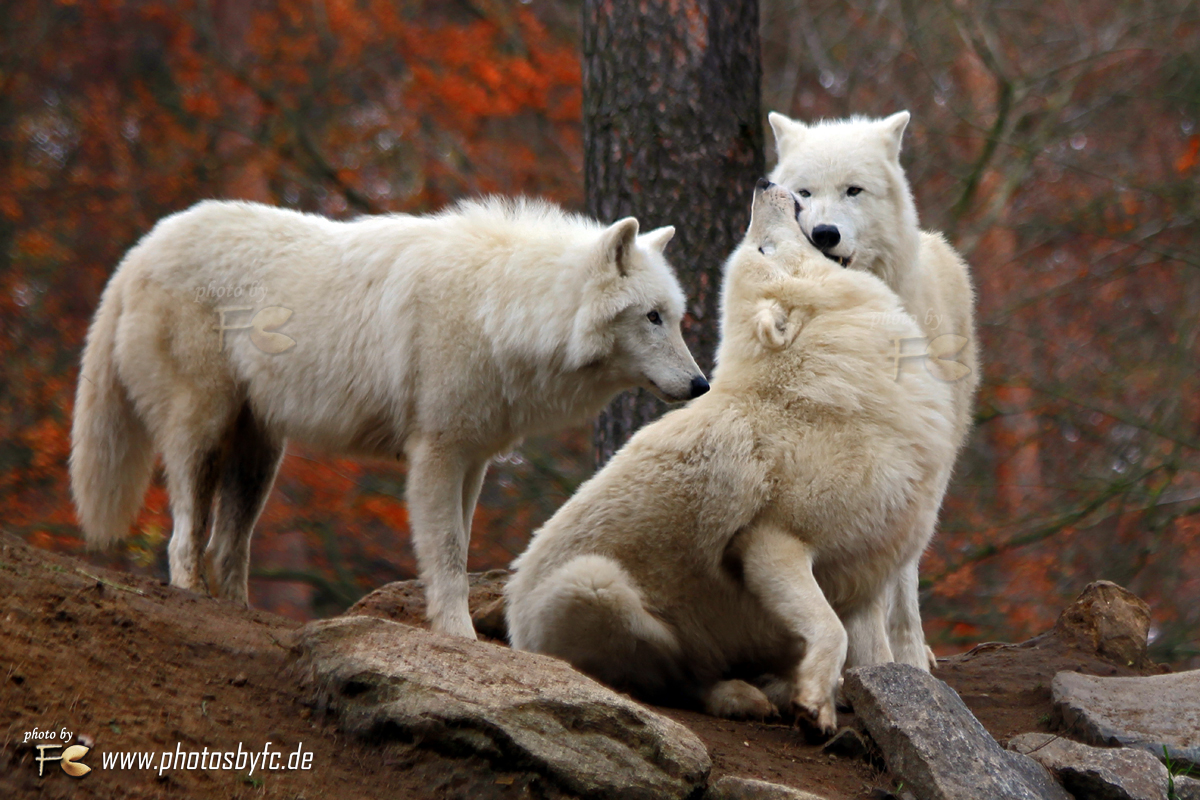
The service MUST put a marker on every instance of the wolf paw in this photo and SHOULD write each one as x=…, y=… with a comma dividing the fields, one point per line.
x=822, y=710
x=915, y=652
x=738, y=700
x=454, y=625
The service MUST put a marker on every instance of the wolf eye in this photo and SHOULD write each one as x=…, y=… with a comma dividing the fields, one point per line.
x=654, y=318
x=854, y=190
x=804, y=193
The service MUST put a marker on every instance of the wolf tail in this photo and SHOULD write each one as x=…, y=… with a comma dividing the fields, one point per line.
x=111, y=453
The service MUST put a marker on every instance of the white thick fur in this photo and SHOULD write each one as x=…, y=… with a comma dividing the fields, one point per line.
x=446, y=338
x=880, y=234
x=742, y=535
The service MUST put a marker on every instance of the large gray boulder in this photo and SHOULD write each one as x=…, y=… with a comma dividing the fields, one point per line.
x=932, y=742
x=1097, y=773
x=385, y=680
x=1151, y=712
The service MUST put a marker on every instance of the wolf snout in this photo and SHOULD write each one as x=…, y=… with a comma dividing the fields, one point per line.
x=699, y=386
x=826, y=236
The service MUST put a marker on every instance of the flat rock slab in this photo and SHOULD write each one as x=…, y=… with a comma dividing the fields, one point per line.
x=733, y=788
x=932, y=742
x=520, y=710
x=1097, y=773
x=1150, y=712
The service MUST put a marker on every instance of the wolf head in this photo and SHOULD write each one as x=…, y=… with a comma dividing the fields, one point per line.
x=856, y=203
x=629, y=322
x=773, y=250
x=777, y=281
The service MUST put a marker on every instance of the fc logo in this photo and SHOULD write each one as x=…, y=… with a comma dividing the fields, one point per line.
x=265, y=339
x=938, y=356
x=69, y=760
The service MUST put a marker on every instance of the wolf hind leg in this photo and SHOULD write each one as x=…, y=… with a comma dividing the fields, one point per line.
x=904, y=630
x=248, y=468
x=867, y=631
x=590, y=613
x=191, y=483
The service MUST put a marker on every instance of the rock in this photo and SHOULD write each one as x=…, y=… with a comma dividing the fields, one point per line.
x=489, y=620
x=1110, y=620
x=518, y=710
x=933, y=744
x=404, y=601
x=731, y=788
x=1097, y=773
x=1150, y=712
x=1186, y=788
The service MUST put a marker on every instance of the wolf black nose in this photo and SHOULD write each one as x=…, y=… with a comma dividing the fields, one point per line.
x=762, y=184
x=826, y=236
x=699, y=386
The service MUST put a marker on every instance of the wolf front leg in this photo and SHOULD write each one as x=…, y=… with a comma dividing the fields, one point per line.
x=435, y=494
x=472, y=484
x=778, y=570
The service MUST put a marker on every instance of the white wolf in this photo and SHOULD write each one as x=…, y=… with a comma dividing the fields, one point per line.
x=446, y=338
x=858, y=209
x=728, y=538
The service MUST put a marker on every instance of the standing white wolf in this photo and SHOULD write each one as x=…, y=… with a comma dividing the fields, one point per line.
x=728, y=538
x=232, y=327
x=858, y=209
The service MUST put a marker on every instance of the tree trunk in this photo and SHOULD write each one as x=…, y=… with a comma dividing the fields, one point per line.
x=672, y=135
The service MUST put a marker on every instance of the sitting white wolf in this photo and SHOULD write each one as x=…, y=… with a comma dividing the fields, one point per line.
x=858, y=209
x=232, y=327
x=728, y=538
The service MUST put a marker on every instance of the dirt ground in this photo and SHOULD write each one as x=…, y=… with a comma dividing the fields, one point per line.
x=126, y=664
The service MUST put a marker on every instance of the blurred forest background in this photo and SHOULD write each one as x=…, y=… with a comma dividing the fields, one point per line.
x=1054, y=141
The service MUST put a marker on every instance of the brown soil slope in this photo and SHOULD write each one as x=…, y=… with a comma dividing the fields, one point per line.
x=126, y=664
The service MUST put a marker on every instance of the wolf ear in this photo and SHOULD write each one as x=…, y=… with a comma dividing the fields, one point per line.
x=893, y=132
x=617, y=243
x=773, y=327
x=784, y=128
x=658, y=238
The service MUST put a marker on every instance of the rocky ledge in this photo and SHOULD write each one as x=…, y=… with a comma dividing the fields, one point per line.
x=1126, y=737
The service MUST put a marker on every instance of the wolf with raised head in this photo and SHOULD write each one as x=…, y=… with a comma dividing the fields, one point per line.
x=742, y=536
x=859, y=210
x=233, y=327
